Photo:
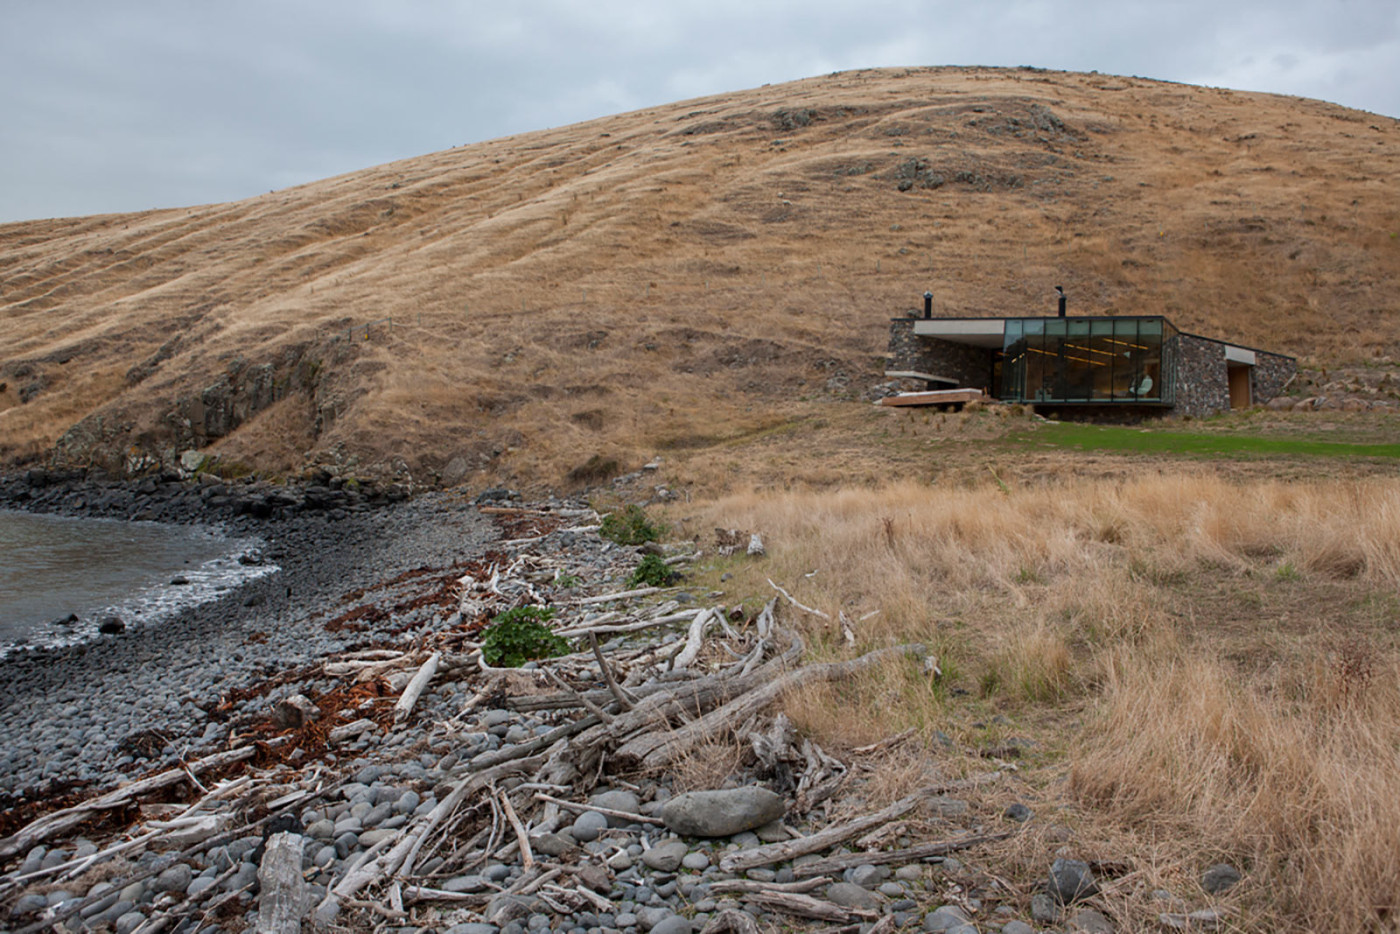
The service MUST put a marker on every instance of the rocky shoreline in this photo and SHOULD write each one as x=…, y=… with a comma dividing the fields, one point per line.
x=94, y=713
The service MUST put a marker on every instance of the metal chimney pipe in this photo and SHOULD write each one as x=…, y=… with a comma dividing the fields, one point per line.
x=1061, y=290
x=928, y=304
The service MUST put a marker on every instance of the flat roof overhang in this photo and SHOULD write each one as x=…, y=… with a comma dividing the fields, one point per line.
x=977, y=332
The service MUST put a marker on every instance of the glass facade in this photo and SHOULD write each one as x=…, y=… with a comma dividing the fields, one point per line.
x=1089, y=360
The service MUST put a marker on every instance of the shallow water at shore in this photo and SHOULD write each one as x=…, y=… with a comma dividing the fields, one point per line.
x=52, y=567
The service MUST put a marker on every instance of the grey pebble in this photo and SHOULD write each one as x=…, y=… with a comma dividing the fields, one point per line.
x=696, y=861
x=129, y=922
x=175, y=879
x=588, y=826
x=667, y=856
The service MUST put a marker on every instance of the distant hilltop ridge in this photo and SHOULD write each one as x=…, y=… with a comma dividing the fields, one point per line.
x=681, y=276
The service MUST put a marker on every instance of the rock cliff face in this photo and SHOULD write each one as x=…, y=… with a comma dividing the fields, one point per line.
x=120, y=439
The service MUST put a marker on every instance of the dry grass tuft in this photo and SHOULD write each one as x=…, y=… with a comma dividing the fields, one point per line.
x=1302, y=794
x=708, y=764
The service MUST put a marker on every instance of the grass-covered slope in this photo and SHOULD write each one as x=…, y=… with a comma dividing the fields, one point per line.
x=681, y=277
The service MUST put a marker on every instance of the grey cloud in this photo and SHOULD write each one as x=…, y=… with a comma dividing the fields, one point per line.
x=119, y=107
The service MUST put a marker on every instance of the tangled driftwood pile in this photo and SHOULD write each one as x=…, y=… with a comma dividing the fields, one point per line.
x=647, y=686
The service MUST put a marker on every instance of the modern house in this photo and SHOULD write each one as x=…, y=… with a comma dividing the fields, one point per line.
x=1124, y=365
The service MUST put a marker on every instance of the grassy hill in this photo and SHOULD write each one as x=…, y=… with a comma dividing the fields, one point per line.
x=684, y=277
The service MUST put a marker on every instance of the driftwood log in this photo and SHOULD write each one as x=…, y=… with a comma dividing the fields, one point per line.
x=658, y=749
x=282, y=890
x=68, y=818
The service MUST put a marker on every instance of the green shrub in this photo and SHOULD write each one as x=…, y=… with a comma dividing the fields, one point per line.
x=652, y=572
x=520, y=635
x=629, y=527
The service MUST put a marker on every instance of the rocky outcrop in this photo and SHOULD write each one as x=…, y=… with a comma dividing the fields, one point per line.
x=127, y=437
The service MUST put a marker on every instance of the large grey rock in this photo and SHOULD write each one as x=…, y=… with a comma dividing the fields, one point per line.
x=850, y=895
x=867, y=876
x=1219, y=878
x=721, y=813
x=651, y=918
x=551, y=844
x=666, y=857
x=1071, y=880
x=28, y=904
x=465, y=884
x=295, y=712
x=1044, y=909
x=617, y=801
x=1089, y=921
x=673, y=925
x=944, y=919
x=1017, y=927
x=472, y=927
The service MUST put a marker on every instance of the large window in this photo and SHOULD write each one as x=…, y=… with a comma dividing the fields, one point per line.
x=1089, y=360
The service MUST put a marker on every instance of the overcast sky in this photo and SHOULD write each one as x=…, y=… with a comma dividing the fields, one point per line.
x=112, y=106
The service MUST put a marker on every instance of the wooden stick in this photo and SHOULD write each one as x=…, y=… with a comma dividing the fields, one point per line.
x=793, y=601
x=527, y=858
x=606, y=812
x=626, y=701
x=415, y=687
x=420, y=893
x=805, y=906
x=587, y=704
x=885, y=743
x=620, y=595
x=748, y=885
x=695, y=638
x=836, y=864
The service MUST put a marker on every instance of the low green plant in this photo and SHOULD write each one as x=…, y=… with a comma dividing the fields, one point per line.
x=629, y=527
x=520, y=635
x=1287, y=572
x=651, y=572
x=566, y=580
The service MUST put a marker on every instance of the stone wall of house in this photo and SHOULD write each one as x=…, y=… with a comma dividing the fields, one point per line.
x=1203, y=381
x=1202, y=384
x=1271, y=373
x=969, y=366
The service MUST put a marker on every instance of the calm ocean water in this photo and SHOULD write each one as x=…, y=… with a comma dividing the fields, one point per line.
x=51, y=567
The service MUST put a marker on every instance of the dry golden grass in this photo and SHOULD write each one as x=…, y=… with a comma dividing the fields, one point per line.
x=692, y=271
x=1212, y=663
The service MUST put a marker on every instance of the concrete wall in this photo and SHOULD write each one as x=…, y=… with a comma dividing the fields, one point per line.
x=968, y=366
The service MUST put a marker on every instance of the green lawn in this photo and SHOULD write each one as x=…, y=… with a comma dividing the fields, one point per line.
x=1169, y=441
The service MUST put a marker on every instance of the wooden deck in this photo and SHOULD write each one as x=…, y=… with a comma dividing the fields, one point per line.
x=936, y=397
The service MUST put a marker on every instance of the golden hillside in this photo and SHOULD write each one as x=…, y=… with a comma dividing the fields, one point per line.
x=679, y=276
